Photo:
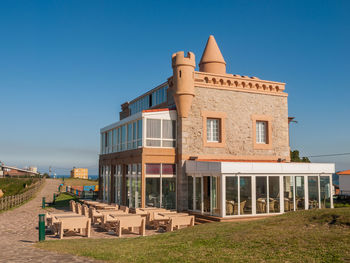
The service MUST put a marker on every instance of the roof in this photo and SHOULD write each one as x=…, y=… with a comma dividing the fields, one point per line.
x=345, y=172
x=212, y=52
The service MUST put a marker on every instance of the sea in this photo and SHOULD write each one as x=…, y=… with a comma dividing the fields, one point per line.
x=91, y=177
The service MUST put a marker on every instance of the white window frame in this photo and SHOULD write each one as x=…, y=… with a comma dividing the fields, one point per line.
x=261, y=132
x=210, y=130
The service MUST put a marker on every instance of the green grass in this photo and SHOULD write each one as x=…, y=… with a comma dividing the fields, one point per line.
x=62, y=200
x=302, y=236
x=14, y=186
x=79, y=182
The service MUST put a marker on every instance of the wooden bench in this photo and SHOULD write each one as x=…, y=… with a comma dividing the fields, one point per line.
x=124, y=208
x=178, y=221
x=130, y=222
x=72, y=206
x=68, y=223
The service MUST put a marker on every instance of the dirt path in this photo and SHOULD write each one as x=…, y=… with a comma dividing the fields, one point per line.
x=18, y=232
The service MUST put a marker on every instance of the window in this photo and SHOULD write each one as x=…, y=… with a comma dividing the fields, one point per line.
x=160, y=133
x=213, y=130
x=261, y=132
x=161, y=185
x=153, y=132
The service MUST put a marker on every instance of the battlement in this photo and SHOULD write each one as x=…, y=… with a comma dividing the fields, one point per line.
x=179, y=59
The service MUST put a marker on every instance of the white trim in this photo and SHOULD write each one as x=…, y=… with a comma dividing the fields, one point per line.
x=203, y=167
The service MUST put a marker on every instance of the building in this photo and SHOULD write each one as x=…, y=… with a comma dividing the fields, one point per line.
x=344, y=182
x=79, y=173
x=208, y=142
x=6, y=170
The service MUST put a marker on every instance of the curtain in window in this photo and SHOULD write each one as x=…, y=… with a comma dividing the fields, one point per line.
x=169, y=129
x=153, y=128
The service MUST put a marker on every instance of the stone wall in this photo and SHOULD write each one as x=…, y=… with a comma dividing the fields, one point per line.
x=239, y=108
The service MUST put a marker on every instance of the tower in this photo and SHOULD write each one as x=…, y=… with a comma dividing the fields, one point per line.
x=212, y=60
x=183, y=81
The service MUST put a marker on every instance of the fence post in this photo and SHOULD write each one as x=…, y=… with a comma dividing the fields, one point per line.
x=41, y=227
x=43, y=203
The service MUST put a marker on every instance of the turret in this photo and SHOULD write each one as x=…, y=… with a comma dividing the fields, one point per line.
x=183, y=81
x=212, y=60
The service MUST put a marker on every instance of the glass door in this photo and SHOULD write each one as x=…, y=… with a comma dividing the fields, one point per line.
x=198, y=194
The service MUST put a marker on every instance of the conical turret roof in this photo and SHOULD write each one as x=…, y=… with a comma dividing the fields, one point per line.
x=212, y=53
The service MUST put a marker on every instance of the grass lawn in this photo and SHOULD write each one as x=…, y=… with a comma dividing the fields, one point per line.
x=303, y=236
x=79, y=182
x=62, y=200
x=13, y=186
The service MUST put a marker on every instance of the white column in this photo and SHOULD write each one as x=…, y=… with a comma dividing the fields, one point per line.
x=294, y=194
x=319, y=190
x=239, y=193
x=331, y=190
x=281, y=194
x=267, y=194
x=306, y=190
x=223, y=196
x=253, y=195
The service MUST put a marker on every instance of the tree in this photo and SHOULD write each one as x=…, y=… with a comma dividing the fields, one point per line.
x=294, y=157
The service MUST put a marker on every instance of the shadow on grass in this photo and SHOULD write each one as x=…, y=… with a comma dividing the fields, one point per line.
x=62, y=201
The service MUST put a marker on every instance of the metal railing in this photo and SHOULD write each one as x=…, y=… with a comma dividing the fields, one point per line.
x=93, y=195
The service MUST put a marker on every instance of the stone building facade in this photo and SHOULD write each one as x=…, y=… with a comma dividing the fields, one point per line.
x=207, y=117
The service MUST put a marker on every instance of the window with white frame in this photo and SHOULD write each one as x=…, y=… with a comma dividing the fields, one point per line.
x=261, y=132
x=213, y=130
x=160, y=133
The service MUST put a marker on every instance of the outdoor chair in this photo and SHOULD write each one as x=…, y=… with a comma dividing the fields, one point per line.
x=235, y=208
x=229, y=207
x=178, y=221
x=272, y=204
x=261, y=205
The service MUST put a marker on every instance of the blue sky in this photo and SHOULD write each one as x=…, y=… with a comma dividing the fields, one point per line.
x=66, y=66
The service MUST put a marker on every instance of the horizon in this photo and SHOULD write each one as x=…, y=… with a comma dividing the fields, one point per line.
x=67, y=67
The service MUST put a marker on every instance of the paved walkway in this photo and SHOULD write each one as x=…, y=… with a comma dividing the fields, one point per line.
x=18, y=232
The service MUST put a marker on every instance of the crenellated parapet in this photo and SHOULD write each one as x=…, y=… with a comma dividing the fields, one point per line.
x=182, y=82
x=239, y=83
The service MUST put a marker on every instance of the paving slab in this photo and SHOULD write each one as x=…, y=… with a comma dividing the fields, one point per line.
x=19, y=233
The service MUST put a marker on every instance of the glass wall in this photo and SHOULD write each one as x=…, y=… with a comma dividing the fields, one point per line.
x=125, y=137
x=153, y=192
x=127, y=184
x=313, y=191
x=169, y=193
x=325, y=191
x=198, y=194
x=118, y=184
x=231, y=195
x=155, y=98
x=160, y=133
x=215, y=195
x=299, y=193
x=288, y=186
x=161, y=178
x=261, y=194
x=245, y=190
x=274, y=194
x=190, y=192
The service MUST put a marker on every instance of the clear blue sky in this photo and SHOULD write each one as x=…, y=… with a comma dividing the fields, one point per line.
x=66, y=66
